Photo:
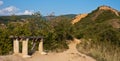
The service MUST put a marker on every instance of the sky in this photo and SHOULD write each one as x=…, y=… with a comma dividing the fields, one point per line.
x=59, y=7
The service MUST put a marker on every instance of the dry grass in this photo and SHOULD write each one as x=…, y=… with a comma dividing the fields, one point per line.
x=101, y=51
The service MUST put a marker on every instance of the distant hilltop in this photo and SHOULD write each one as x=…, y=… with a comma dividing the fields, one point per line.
x=81, y=16
x=108, y=8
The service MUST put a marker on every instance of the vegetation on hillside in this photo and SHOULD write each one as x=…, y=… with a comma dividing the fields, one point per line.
x=101, y=39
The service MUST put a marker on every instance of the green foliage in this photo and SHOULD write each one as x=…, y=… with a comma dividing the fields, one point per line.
x=5, y=42
x=106, y=15
x=55, y=32
x=61, y=30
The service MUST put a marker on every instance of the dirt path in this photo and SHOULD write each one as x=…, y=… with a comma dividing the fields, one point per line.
x=70, y=55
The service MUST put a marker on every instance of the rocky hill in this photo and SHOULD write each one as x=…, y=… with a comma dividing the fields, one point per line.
x=104, y=14
x=109, y=8
x=96, y=13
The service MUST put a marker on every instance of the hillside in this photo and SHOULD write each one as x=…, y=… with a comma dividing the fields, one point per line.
x=109, y=8
x=101, y=30
x=14, y=18
x=103, y=14
x=97, y=13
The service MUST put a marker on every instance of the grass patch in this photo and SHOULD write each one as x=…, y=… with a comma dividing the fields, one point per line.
x=101, y=51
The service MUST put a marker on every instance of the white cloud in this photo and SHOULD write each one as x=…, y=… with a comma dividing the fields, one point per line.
x=8, y=10
x=13, y=10
x=1, y=3
x=26, y=12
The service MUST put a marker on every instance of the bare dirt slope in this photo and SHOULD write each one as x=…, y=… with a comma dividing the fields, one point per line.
x=70, y=55
x=78, y=18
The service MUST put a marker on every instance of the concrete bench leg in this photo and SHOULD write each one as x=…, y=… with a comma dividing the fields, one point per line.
x=16, y=46
x=40, y=48
x=25, y=48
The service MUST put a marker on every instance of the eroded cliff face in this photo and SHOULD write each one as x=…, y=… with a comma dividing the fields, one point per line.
x=78, y=18
x=109, y=8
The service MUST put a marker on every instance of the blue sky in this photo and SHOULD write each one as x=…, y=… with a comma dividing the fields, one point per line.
x=59, y=7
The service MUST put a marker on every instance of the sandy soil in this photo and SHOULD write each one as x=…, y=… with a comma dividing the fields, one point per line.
x=78, y=18
x=70, y=55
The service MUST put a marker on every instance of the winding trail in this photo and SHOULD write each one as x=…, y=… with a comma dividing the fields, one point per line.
x=70, y=55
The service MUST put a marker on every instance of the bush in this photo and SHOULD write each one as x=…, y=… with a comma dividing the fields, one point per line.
x=55, y=32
